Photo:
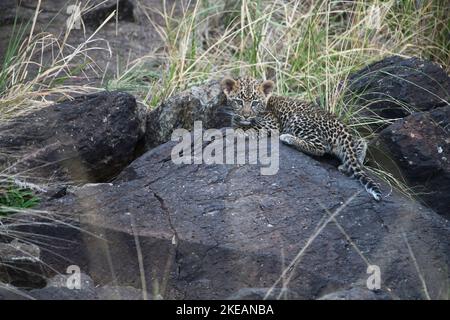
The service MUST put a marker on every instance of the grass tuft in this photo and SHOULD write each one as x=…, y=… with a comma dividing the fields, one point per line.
x=14, y=197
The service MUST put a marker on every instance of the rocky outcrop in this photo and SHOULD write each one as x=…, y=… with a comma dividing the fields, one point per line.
x=88, y=139
x=420, y=146
x=214, y=231
x=205, y=103
x=394, y=87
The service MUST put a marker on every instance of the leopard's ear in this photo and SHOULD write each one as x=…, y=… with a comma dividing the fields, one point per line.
x=267, y=87
x=228, y=85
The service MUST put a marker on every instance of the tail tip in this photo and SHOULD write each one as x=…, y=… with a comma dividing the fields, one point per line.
x=375, y=194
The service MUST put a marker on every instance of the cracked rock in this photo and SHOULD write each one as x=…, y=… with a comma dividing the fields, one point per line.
x=217, y=255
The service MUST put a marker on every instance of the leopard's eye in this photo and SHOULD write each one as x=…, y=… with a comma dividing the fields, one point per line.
x=238, y=103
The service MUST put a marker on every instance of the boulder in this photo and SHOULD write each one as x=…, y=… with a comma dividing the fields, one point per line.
x=356, y=293
x=420, y=146
x=57, y=289
x=88, y=139
x=205, y=103
x=20, y=264
x=100, y=10
x=8, y=14
x=198, y=231
x=9, y=292
x=395, y=86
x=261, y=293
x=94, y=12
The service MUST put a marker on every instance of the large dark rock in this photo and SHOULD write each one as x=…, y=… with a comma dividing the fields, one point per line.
x=20, y=264
x=88, y=139
x=98, y=12
x=205, y=103
x=8, y=13
x=9, y=292
x=356, y=293
x=420, y=146
x=214, y=231
x=93, y=13
x=395, y=86
x=57, y=289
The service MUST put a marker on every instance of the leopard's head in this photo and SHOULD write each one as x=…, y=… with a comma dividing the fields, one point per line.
x=247, y=98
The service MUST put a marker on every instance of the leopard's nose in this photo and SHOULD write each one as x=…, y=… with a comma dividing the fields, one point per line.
x=246, y=114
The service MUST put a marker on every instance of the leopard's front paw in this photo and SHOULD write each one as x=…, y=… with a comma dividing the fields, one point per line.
x=343, y=169
x=251, y=133
x=287, y=138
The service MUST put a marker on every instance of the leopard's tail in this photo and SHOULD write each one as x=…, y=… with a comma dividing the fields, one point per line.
x=351, y=166
x=371, y=186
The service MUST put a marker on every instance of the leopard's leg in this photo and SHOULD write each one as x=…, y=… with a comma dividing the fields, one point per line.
x=359, y=148
x=343, y=169
x=309, y=147
x=252, y=132
x=351, y=166
x=263, y=127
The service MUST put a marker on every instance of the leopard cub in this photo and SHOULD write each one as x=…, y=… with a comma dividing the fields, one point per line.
x=301, y=125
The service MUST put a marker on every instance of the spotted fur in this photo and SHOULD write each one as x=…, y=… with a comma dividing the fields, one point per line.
x=301, y=125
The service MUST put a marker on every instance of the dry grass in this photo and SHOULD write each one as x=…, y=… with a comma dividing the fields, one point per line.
x=34, y=73
x=309, y=48
x=28, y=81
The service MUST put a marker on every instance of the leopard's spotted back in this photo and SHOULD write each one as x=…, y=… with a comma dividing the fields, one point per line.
x=302, y=125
